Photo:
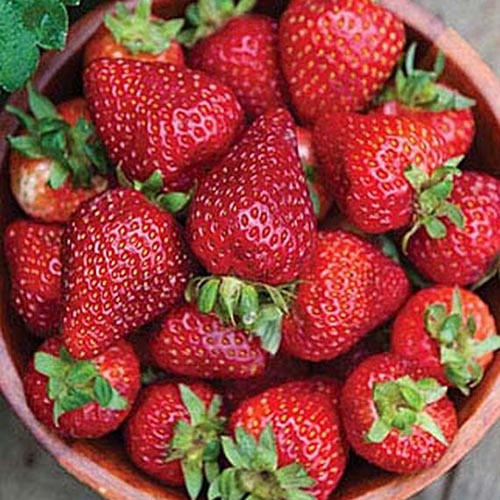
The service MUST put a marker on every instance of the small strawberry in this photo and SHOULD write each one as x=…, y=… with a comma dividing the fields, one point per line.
x=337, y=55
x=194, y=344
x=463, y=254
x=239, y=49
x=33, y=253
x=396, y=418
x=56, y=163
x=449, y=332
x=173, y=434
x=136, y=35
x=325, y=321
x=154, y=116
x=417, y=95
x=124, y=263
x=82, y=399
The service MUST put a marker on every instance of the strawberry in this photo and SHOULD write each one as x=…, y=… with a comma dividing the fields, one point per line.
x=194, y=344
x=154, y=116
x=449, y=332
x=173, y=433
x=56, y=163
x=33, y=253
x=239, y=49
x=336, y=56
x=321, y=384
x=325, y=322
x=417, y=95
x=82, y=399
x=300, y=447
x=124, y=263
x=136, y=35
x=463, y=254
x=396, y=418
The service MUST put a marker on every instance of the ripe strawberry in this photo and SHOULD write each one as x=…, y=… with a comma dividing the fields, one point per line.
x=154, y=116
x=82, y=399
x=239, y=49
x=194, y=344
x=336, y=56
x=325, y=322
x=394, y=417
x=173, y=433
x=321, y=384
x=417, y=95
x=33, y=253
x=124, y=263
x=136, y=35
x=464, y=254
x=449, y=332
x=300, y=446
x=56, y=163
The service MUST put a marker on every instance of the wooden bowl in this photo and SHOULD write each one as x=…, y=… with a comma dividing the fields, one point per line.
x=103, y=464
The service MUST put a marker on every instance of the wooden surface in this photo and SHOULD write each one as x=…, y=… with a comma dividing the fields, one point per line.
x=26, y=472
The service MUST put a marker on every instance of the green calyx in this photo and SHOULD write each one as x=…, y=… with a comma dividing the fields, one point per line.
x=432, y=203
x=459, y=350
x=255, y=307
x=253, y=473
x=401, y=405
x=418, y=88
x=207, y=16
x=197, y=443
x=74, y=149
x=138, y=32
x=311, y=175
x=73, y=384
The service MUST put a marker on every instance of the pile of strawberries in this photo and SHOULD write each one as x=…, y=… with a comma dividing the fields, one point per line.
x=178, y=206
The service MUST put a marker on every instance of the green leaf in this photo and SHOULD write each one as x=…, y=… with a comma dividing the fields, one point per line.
x=454, y=214
x=194, y=405
x=416, y=177
x=211, y=470
x=439, y=64
x=175, y=201
x=410, y=58
x=428, y=424
x=193, y=477
x=75, y=399
x=378, y=431
x=118, y=402
x=435, y=228
x=483, y=347
x=57, y=411
x=55, y=387
x=58, y=175
x=208, y=295
x=249, y=304
x=412, y=396
x=103, y=391
x=26, y=145
x=81, y=373
x=245, y=6
x=49, y=20
x=232, y=453
x=49, y=365
x=40, y=106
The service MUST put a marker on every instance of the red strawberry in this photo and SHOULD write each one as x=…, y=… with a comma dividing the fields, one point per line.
x=136, y=35
x=463, y=254
x=173, y=433
x=240, y=50
x=154, y=116
x=449, y=332
x=321, y=384
x=33, y=257
x=124, y=263
x=337, y=55
x=82, y=399
x=325, y=321
x=194, y=344
x=299, y=431
x=394, y=417
x=417, y=95
x=56, y=161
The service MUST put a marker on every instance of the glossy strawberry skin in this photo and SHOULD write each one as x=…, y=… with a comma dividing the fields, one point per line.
x=124, y=263
x=306, y=428
x=397, y=453
x=154, y=116
x=243, y=55
x=325, y=321
x=33, y=253
x=336, y=56
x=463, y=256
x=194, y=344
x=251, y=216
x=118, y=365
x=151, y=426
x=364, y=159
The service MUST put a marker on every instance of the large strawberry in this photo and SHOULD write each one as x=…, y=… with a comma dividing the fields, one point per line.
x=154, y=116
x=239, y=49
x=124, y=263
x=337, y=55
x=449, y=332
x=396, y=418
x=347, y=289
x=82, y=399
x=33, y=253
